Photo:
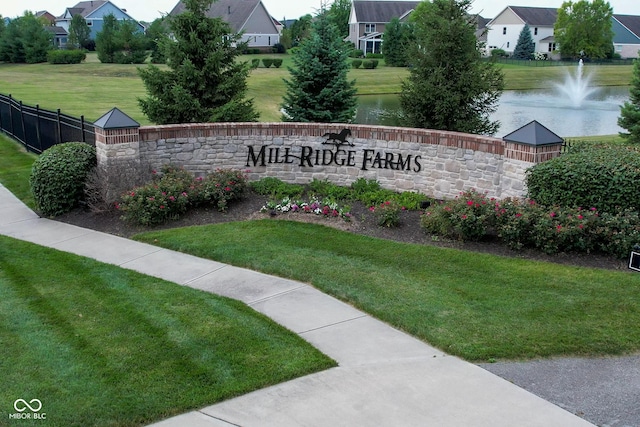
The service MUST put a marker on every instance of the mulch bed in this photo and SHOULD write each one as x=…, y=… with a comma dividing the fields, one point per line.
x=363, y=222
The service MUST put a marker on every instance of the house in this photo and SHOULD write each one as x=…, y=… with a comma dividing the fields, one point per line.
x=60, y=35
x=248, y=17
x=504, y=30
x=367, y=21
x=626, y=35
x=45, y=16
x=94, y=12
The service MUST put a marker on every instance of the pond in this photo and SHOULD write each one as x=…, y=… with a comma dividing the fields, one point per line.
x=598, y=114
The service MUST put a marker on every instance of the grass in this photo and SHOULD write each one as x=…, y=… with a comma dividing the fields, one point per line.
x=15, y=169
x=100, y=345
x=92, y=88
x=477, y=306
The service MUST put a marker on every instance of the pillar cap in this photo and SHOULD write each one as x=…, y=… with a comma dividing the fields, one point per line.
x=116, y=119
x=533, y=133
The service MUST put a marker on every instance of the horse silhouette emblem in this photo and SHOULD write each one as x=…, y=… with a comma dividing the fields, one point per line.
x=338, y=138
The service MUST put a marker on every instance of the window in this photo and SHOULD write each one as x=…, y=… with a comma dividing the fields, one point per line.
x=552, y=47
x=369, y=28
x=507, y=45
x=619, y=48
x=89, y=23
x=504, y=30
x=535, y=31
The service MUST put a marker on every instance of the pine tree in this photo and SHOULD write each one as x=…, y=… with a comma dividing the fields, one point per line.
x=630, y=111
x=449, y=87
x=397, y=38
x=106, y=43
x=205, y=82
x=318, y=90
x=79, y=32
x=525, y=47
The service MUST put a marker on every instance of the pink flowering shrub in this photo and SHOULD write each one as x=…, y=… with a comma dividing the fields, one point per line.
x=468, y=217
x=175, y=190
x=387, y=213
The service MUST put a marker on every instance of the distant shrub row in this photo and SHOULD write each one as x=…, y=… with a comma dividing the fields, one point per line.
x=369, y=64
x=66, y=56
x=266, y=62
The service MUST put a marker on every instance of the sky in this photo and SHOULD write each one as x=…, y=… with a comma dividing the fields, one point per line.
x=148, y=10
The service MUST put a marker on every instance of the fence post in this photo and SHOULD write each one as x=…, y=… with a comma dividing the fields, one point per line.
x=11, y=113
x=58, y=126
x=24, y=131
x=82, y=128
x=38, y=132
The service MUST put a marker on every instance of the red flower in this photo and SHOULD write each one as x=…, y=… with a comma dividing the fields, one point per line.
x=227, y=188
x=470, y=203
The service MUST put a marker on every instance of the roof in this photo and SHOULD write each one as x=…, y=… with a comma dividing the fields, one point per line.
x=630, y=22
x=55, y=30
x=533, y=133
x=536, y=16
x=116, y=119
x=381, y=11
x=85, y=8
x=234, y=12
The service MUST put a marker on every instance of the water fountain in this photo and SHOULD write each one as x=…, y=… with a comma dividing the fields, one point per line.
x=577, y=88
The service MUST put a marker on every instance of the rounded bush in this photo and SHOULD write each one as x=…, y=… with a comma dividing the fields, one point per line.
x=593, y=176
x=267, y=62
x=356, y=63
x=58, y=177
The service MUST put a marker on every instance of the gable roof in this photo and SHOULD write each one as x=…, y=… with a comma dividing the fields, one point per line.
x=234, y=12
x=56, y=31
x=85, y=8
x=381, y=11
x=534, y=16
x=630, y=22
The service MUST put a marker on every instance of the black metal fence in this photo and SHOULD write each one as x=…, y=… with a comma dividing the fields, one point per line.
x=40, y=129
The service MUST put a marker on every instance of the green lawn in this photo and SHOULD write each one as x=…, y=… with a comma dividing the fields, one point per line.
x=15, y=169
x=480, y=307
x=99, y=345
x=91, y=88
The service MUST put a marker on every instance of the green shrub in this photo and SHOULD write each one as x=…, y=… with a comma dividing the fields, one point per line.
x=370, y=64
x=277, y=188
x=279, y=48
x=255, y=62
x=277, y=62
x=66, y=56
x=499, y=53
x=591, y=176
x=410, y=200
x=467, y=217
x=267, y=62
x=326, y=189
x=356, y=53
x=356, y=63
x=374, y=56
x=58, y=177
x=221, y=187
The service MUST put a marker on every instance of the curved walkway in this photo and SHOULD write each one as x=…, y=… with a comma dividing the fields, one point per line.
x=384, y=377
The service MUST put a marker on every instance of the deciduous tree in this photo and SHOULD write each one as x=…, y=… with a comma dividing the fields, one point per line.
x=583, y=28
x=339, y=12
x=205, y=81
x=318, y=90
x=630, y=111
x=449, y=87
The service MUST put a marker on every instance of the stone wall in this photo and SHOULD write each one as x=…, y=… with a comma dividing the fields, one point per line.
x=436, y=163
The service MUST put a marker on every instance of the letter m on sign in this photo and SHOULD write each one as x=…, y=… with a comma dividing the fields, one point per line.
x=255, y=159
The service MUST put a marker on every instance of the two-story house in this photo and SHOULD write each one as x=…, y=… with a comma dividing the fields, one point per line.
x=249, y=17
x=504, y=30
x=94, y=12
x=368, y=19
x=626, y=35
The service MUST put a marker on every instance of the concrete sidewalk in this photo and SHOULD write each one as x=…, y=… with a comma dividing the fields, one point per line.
x=384, y=378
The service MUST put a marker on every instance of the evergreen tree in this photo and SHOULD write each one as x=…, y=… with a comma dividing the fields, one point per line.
x=79, y=32
x=157, y=35
x=130, y=44
x=319, y=90
x=449, y=87
x=25, y=40
x=106, y=43
x=397, y=39
x=205, y=82
x=525, y=47
x=630, y=111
